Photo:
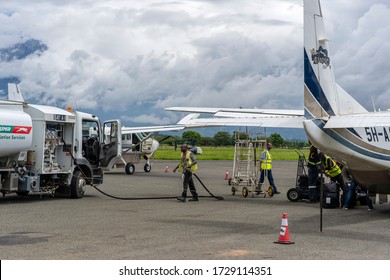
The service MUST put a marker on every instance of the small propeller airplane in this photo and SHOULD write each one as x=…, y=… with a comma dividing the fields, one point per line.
x=333, y=120
x=137, y=142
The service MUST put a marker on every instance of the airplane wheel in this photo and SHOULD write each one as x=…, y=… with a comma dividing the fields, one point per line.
x=147, y=167
x=293, y=195
x=270, y=191
x=130, y=168
x=244, y=192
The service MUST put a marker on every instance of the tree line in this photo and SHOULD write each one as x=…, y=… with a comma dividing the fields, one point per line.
x=224, y=138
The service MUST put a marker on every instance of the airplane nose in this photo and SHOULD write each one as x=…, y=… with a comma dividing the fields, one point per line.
x=155, y=145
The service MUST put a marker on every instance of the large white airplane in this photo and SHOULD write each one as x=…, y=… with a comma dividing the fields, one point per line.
x=137, y=142
x=332, y=119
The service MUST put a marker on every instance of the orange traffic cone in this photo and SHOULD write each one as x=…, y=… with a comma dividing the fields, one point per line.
x=284, y=235
x=227, y=175
x=166, y=168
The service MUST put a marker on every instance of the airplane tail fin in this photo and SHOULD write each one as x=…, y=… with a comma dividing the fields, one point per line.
x=323, y=96
x=14, y=93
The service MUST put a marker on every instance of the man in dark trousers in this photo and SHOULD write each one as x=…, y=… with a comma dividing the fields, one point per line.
x=313, y=165
x=266, y=169
x=187, y=165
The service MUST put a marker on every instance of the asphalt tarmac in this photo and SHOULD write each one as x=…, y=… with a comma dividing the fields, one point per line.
x=98, y=227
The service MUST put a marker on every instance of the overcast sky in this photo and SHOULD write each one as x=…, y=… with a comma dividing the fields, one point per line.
x=130, y=59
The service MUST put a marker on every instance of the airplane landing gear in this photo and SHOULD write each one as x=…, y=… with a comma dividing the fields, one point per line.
x=147, y=167
x=130, y=168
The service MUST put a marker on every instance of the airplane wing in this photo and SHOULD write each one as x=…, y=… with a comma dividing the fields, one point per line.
x=241, y=117
x=237, y=110
x=150, y=129
x=372, y=119
x=274, y=121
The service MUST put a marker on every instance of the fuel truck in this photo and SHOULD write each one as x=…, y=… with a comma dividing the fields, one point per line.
x=48, y=150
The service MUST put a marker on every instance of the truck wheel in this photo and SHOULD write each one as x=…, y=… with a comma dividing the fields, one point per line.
x=147, y=167
x=78, y=185
x=130, y=168
x=293, y=195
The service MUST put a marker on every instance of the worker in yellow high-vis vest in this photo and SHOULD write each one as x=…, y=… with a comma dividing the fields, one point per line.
x=187, y=165
x=333, y=171
x=266, y=169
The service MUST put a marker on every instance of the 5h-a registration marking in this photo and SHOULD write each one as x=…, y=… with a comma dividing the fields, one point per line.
x=377, y=134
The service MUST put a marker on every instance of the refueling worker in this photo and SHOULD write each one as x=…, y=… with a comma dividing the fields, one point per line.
x=187, y=165
x=313, y=165
x=266, y=169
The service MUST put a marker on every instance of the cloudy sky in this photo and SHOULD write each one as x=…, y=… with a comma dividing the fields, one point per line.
x=129, y=59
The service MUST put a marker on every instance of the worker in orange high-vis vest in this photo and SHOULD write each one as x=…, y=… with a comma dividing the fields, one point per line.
x=266, y=169
x=187, y=165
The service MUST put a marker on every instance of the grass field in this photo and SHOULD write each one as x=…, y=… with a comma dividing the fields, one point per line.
x=224, y=153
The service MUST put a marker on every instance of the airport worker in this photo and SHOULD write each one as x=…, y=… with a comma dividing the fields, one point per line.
x=187, y=165
x=333, y=171
x=266, y=169
x=313, y=166
x=351, y=190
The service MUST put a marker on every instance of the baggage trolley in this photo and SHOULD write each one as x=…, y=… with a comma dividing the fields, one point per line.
x=301, y=189
x=245, y=165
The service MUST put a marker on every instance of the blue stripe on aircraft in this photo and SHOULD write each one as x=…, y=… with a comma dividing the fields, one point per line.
x=314, y=86
x=353, y=131
x=349, y=144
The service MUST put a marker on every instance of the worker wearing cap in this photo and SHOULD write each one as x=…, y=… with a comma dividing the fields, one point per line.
x=187, y=165
x=266, y=169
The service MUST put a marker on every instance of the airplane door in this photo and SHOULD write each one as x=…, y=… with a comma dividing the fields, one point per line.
x=112, y=143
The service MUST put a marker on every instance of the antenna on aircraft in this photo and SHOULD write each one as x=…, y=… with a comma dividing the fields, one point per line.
x=373, y=103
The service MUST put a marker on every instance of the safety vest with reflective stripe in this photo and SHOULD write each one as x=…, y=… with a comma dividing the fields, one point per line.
x=188, y=162
x=333, y=170
x=266, y=163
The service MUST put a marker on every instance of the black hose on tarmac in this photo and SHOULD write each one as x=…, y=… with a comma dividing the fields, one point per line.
x=212, y=195
x=133, y=198
x=158, y=197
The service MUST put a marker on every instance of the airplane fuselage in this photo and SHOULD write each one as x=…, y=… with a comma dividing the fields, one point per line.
x=365, y=151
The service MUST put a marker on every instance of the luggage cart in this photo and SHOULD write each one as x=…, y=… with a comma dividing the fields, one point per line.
x=301, y=189
x=245, y=166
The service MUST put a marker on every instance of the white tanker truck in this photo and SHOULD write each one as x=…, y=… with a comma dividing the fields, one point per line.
x=48, y=150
